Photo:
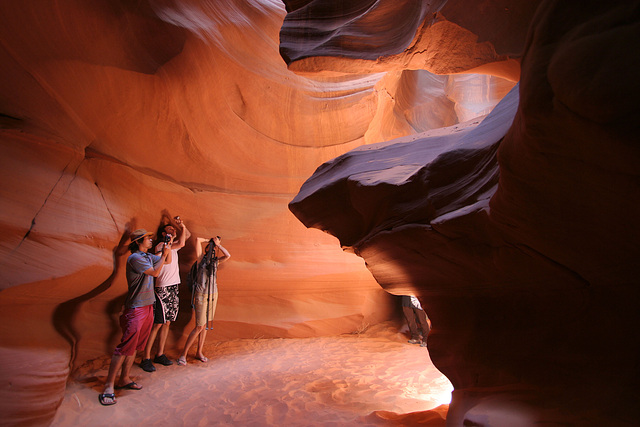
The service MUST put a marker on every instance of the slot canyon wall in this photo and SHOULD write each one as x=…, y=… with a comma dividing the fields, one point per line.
x=519, y=235
x=113, y=113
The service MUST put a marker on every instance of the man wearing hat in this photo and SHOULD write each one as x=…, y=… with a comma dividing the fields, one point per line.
x=137, y=318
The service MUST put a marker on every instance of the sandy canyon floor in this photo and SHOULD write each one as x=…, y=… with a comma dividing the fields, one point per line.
x=371, y=378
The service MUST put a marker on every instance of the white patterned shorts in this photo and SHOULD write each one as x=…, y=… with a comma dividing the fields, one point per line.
x=167, y=304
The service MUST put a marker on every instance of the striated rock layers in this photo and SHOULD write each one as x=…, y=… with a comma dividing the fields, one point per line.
x=114, y=114
x=520, y=234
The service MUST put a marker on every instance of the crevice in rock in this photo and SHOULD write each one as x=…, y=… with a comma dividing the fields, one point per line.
x=106, y=205
x=191, y=186
x=44, y=203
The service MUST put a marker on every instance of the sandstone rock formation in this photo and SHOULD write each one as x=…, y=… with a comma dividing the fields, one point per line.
x=444, y=37
x=525, y=262
x=114, y=113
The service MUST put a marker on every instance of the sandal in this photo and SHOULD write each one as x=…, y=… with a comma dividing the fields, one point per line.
x=203, y=359
x=131, y=386
x=111, y=396
x=182, y=361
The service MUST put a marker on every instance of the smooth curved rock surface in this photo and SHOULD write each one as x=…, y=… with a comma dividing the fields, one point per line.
x=113, y=114
x=532, y=286
x=442, y=37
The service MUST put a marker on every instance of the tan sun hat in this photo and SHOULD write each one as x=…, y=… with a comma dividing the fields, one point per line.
x=139, y=234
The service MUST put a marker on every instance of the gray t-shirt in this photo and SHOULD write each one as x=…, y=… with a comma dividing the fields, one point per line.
x=140, y=285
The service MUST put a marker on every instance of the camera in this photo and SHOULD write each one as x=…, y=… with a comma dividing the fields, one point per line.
x=167, y=238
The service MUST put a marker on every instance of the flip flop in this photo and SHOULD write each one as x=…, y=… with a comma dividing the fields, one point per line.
x=131, y=386
x=203, y=359
x=111, y=396
x=182, y=361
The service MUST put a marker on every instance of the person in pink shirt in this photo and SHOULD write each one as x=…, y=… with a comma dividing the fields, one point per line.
x=166, y=289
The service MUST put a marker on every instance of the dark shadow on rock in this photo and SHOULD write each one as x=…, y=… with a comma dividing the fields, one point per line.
x=65, y=313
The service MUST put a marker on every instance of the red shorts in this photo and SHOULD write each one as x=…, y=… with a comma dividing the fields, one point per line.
x=136, y=324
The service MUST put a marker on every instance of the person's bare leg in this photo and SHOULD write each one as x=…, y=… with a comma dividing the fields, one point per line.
x=162, y=337
x=151, y=340
x=126, y=370
x=201, y=338
x=190, y=340
x=109, y=384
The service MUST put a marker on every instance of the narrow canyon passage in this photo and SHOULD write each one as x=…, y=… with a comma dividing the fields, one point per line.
x=481, y=155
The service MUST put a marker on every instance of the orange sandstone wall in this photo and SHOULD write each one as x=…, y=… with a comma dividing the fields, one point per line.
x=114, y=113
